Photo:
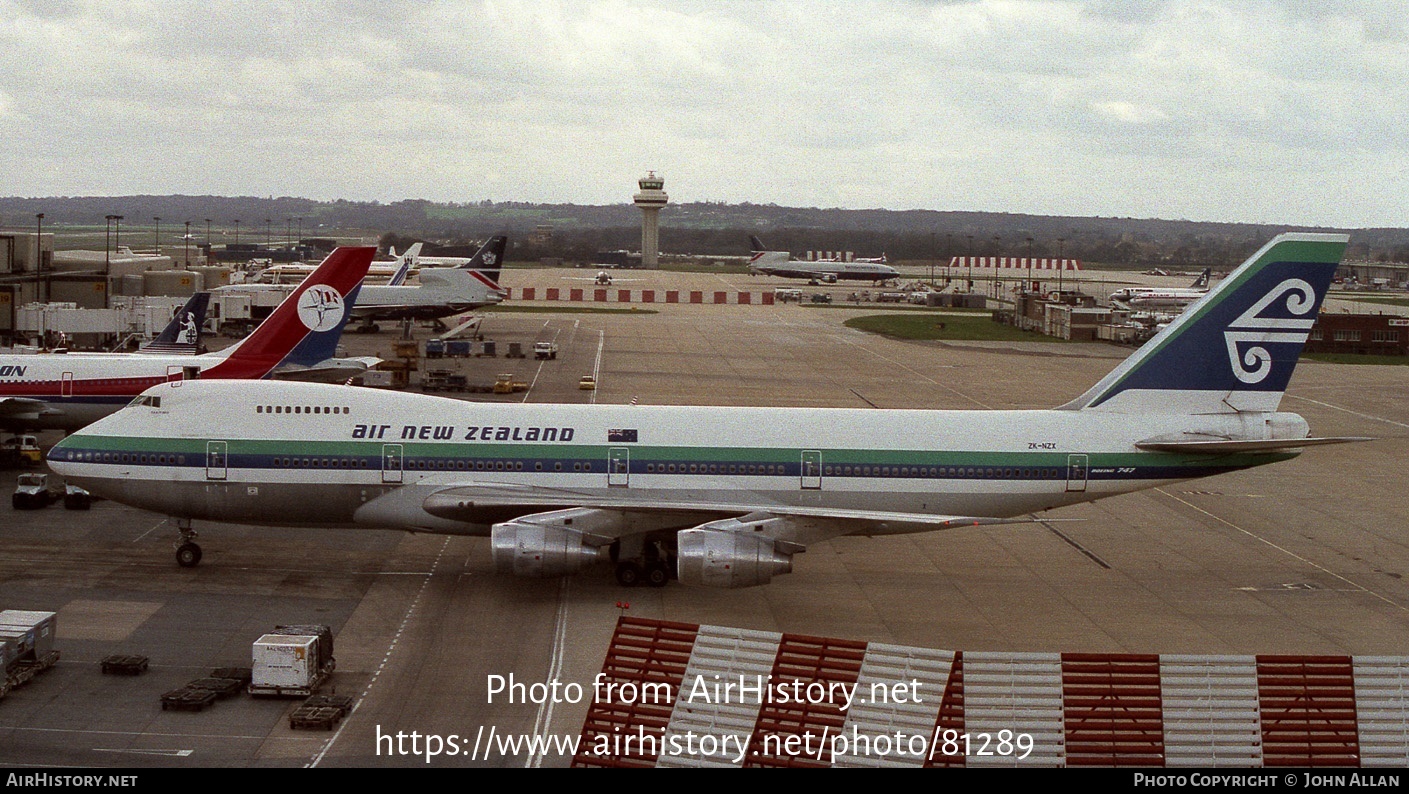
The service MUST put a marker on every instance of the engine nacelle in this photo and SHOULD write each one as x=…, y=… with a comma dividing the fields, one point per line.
x=525, y=549
x=717, y=558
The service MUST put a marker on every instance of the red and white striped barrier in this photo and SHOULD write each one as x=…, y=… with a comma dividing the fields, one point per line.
x=1013, y=263
x=674, y=694
x=607, y=295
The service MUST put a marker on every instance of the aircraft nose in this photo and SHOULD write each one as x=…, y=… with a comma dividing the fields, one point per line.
x=63, y=455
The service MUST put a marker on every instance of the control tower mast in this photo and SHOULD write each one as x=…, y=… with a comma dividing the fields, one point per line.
x=651, y=200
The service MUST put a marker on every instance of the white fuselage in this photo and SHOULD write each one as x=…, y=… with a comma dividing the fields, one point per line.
x=262, y=452
x=1164, y=299
x=780, y=263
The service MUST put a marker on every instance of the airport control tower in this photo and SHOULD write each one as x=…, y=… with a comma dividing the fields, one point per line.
x=651, y=199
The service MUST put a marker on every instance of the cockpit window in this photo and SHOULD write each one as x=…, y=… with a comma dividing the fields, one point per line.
x=145, y=399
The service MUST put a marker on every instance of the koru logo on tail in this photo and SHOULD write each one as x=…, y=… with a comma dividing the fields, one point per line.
x=1294, y=298
x=320, y=308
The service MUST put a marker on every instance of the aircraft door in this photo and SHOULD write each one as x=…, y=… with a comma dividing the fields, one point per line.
x=66, y=384
x=215, y=460
x=1076, y=473
x=175, y=373
x=618, y=467
x=811, y=469
x=391, y=463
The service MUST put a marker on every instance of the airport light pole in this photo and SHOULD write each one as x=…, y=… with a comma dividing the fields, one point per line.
x=116, y=221
x=971, y=263
x=268, y=234
x=948, y=255
x=997, y=250
x=156, y=236
x=108, y=244
x=187, y=238
x=237, y=231
x=933, y=255
x=39, y=254
x=1029, y=263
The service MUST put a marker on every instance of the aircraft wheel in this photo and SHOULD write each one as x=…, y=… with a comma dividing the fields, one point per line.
x=628, y=574
x=657, y=575
x=188, y=555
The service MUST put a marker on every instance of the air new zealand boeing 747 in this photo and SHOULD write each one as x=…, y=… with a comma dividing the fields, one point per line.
x=719, y=496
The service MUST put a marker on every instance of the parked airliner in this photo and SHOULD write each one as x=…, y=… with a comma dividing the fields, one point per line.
x=719, y=496
x=1163, y=298
x=65, y=391
x=290, y=274
x=443, y=291
x=781, y=263
x=183, y=334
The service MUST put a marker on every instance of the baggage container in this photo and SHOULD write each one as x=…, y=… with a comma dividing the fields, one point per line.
x=37, y=626
x=292, y=661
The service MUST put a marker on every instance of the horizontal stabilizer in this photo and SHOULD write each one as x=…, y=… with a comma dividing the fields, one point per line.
x=1222, y=446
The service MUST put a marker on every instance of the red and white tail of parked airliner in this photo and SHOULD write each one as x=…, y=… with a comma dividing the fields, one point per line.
x=66, y=391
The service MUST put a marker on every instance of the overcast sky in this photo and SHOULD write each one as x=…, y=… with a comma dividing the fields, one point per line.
x=1281, y=111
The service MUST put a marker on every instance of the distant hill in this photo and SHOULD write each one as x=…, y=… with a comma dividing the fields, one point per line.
x=704, y=228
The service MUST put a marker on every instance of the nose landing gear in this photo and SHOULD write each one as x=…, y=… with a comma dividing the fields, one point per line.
x=188, y=554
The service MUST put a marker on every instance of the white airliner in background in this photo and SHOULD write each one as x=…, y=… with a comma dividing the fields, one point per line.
x=1163, y=298
x=781, y=263
x=65, y=391
x=719, y=496
x=443, y=291
x=292, y=273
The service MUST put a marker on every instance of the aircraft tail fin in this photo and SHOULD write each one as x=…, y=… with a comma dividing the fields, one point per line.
x=1236, y=347
x=183, y=334
x=1202, y=281
x=305, y=327
x=755, y=244
x=404, y=264
x=489, y=259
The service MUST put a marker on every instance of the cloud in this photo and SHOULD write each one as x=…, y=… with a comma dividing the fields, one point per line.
x=1267, y=111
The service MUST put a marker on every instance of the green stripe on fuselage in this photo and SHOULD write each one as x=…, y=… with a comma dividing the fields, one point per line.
x=678, y=455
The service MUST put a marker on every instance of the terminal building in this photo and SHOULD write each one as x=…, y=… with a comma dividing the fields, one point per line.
x=1360, y=334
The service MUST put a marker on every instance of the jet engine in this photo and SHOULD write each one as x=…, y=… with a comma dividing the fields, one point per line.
x=722, y=558
x=526, y=549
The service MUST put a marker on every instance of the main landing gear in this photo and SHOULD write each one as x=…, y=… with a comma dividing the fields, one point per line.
x=188, y=554
x=653, y=568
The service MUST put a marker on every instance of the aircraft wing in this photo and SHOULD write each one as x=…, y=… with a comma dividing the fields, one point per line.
x=20, y=409
x=742, y=542
x=469, y=502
